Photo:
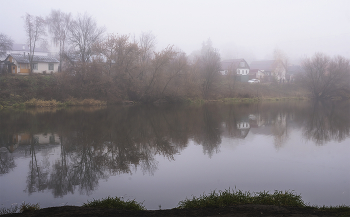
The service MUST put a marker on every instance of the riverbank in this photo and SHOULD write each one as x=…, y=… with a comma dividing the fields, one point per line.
x=221, y=203
x=38, y=103
x=231, y=211
x=57, y=91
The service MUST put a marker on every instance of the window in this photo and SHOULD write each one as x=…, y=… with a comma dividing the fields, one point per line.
x=35, y=66
x=50, y=66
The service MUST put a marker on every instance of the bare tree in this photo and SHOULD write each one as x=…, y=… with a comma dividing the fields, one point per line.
x=5, y=44
x=83, y=33
x=326, y=77
x=58, y=23
x=147, y=43
x=177, y=67
x=210, y=68
x=35, y=30
x=152, y=84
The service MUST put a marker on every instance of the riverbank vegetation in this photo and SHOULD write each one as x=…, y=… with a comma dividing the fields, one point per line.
x=115, y=203
x=61, y=90
x=114, y=68
x=231, y=197
x=215, y=199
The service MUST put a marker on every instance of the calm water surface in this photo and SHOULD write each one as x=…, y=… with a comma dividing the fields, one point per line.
x=163, y=154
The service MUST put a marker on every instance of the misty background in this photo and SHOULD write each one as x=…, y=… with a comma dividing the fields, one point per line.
x=238, y=29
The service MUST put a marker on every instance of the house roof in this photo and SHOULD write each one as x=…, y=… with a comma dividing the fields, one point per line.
x=232, y=63
x=25, y=48
x=36, y=59
x=266, y=65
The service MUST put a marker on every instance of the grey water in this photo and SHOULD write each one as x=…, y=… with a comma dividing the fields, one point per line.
x=160, y=155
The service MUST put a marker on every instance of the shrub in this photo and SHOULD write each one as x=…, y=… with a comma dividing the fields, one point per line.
x=116, y=203
x=28, y=207
x=228, y=198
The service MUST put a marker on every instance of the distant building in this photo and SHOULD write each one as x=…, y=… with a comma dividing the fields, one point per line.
x=237, y=67
x=268, y=69
x=19, y=64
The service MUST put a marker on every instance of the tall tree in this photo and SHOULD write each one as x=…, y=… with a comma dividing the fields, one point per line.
x=147, y=43
x=5, y=44
x=58, y=23
x=83, y=33
x=35, y=31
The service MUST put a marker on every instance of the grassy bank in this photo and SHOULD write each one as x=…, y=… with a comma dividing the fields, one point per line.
x=215, y=199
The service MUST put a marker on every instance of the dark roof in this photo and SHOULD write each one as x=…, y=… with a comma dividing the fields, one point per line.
x=232, y=63
x=25, y=48
x=37, y=59
x=266, y=65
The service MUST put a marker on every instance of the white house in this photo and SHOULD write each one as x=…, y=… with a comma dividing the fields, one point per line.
x=240, y=66
x=19, y=64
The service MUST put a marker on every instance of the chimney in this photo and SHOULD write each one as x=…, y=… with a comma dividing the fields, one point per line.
x=24, y=54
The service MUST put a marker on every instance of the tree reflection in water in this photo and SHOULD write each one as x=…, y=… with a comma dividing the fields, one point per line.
x=97, y=144
x=327, y=121
x=7, y=162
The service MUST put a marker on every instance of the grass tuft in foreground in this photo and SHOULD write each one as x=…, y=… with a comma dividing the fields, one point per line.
x=12, y=209
x=230, y=198
x=28, y=207
x=116, y=203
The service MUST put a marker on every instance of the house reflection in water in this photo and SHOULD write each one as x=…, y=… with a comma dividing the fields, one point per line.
x=243, y=126
x=275, y=126
x=22, y=139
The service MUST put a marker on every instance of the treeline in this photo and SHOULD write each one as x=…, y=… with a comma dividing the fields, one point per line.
x=119, y=67
x=116, y=68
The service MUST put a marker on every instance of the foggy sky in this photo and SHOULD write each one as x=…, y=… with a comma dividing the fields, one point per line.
x=239, y=29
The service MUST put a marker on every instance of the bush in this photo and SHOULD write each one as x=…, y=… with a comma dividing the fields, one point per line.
x=228, y=198
x=116, y=203
x=25, y=207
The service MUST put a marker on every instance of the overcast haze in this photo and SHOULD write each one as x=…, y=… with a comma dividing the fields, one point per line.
x=239, y=29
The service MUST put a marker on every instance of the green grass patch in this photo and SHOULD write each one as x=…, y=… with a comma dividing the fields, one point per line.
x=115, y=203
x=237, y=197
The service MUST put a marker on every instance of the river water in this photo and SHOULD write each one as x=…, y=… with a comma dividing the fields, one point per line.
x=160, y=155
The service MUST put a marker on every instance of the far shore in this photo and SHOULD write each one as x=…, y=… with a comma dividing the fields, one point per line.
x=35, y=103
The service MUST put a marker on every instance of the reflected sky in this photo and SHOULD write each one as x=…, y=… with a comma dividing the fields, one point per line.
x=161, y=155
